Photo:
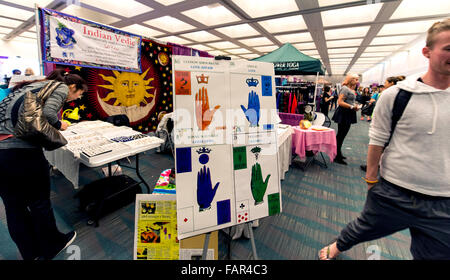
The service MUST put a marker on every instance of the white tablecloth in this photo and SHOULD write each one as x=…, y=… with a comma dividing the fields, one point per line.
x=284, y=149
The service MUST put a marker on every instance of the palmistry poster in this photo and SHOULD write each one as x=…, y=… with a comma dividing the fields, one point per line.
x=205, y=191
x=252, y=96
x=201, y=99
x=257, y=183
x=143, y=97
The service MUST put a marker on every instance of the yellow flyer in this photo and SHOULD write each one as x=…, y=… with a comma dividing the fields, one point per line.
x=156, y=228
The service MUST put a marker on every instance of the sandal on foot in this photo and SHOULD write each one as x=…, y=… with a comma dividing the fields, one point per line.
x=328, y=254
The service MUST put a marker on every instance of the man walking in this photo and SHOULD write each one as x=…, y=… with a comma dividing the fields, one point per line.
x=413, y=190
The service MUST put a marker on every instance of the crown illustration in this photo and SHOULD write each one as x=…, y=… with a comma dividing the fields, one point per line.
x=202, y=79
x=203, y=150
x=252, y=82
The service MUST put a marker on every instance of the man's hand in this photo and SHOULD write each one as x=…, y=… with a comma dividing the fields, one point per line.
x=64, y=125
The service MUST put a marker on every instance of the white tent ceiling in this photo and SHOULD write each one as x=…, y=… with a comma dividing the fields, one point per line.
x=347, y=35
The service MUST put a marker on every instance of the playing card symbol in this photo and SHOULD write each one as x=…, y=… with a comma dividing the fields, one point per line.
x=243, y=217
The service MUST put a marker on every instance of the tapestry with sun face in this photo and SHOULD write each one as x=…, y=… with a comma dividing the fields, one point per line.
x=144, y=97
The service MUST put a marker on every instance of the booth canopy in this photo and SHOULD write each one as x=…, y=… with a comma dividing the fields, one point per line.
x=290, y=61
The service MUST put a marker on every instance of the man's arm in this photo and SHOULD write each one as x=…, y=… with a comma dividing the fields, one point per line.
x=373, y=160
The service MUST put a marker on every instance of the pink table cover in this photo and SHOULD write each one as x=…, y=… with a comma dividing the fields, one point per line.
x=313, y=140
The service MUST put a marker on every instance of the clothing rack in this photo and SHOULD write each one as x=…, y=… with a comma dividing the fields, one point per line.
x=293, y=96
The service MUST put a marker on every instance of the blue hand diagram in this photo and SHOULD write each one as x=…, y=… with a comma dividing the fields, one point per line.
x=252, y=112
x=205, y=192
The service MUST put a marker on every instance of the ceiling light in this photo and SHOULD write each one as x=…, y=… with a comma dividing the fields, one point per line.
x=261, y=41
x=358, y=14
x=237, y=31
x=344, y=43
x=30, y=3
x=170, y=24
x=343, y=33
x=295, y=38
x=201, y=47
x=239, y=51
x=416, y=8
x=323, y=3
x=129, y=8
x=10, y=22
x=223, y=45
x=141, y=30
x=284, y=24
x=168, y=2
x=16, y=12
x=406, y=27
x=263, y=8
x=266, y=49
x=383, y=48
x=89, y=14
x=211, y=15
x=175, y=39
x=391, y=40
x=305, y=46
x=343, y=50
x=200, y=36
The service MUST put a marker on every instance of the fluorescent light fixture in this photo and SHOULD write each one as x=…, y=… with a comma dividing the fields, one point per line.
x=416, y=8
x=16, y=13
x=211, y=15
x=89, y=14
x=311, y=52
x=250, y=56
x=344, y=33
x=141, y=30
x=30, y=3
x=5, y=30
x=200, y=47
x=323, y=3
x=175, y=39
x=239, y=51
x=375, y=54
x=170, y=24
x=266, y=49
x=284, y=24
x=238, y=31
x=263, y=8
x=343, y=50
x=261, y=41
x=393, y=40
x=200, y=36
x=358, y=14
x=10, y=22
x=344, y=43
x=295, y=38
x=383, y=48
x=168, y=2
x=216, y=53
x=129, y=8
x=223, y=45
x=305, y=46
x=406, y=27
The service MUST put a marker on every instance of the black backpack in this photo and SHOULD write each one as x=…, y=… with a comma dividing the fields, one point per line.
x=400, y=102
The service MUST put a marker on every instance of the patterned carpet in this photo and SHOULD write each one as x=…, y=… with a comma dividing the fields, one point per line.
x=317, y=204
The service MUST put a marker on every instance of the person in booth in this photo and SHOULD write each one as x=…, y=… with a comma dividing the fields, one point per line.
x=24, y=170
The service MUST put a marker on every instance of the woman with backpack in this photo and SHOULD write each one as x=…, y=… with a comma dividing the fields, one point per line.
x=24, y=170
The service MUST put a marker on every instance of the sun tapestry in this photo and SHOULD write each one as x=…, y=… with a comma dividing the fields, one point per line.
x=143, y=97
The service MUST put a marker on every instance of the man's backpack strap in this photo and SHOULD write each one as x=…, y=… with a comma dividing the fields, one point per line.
x=401, y=100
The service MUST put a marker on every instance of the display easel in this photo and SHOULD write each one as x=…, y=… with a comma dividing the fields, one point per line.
x=252, y=240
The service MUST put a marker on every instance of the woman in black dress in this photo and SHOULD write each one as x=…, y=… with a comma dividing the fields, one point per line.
x=345, y=114
x=326, y=100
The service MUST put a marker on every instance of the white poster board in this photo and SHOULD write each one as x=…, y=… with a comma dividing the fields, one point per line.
x=220, y=106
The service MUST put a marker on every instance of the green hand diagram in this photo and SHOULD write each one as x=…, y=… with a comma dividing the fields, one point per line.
x=257, y=184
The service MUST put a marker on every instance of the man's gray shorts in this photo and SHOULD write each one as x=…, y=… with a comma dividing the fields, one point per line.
x=390, y=208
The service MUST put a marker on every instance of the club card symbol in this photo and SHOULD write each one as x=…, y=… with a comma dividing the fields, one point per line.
x=252, y=112
x=257, y=184
x=204, y=158
x=202, y=79
x=205, y=191
x=252, y=82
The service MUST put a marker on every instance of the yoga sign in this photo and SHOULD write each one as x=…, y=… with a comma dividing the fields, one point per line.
x=73, y=41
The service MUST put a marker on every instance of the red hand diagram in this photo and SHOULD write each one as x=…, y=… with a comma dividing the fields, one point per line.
x=203, y=114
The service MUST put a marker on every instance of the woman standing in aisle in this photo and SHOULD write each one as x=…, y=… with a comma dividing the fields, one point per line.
x=345, y=114
x=365, y=97
x=326, y=100
x=25, y=187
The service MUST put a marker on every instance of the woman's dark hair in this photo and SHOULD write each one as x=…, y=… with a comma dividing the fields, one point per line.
x=393, y=80
x=326, y=89
x=59, y=75
x=364, y=91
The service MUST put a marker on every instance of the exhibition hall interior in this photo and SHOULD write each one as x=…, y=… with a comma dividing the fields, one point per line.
x=223, y=129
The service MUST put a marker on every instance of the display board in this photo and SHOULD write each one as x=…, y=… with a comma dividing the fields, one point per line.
x=225, y=143
x=74, y=41
x=155, y=235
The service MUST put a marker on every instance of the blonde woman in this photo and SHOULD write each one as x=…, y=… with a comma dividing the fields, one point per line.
x=345, y=114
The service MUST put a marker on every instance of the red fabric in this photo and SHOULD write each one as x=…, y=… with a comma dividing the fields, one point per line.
x=294, y=105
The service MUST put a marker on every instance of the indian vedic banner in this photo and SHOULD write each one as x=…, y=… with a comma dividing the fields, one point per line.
x=73, y=41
